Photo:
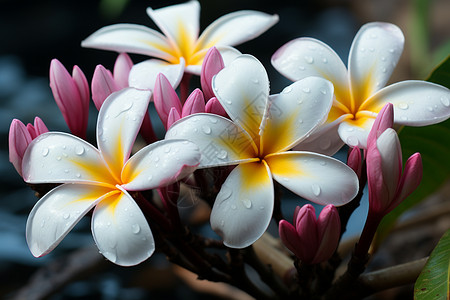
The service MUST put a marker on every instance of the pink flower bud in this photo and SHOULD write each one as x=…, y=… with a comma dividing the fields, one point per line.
x=384, y=120
x=20, y=136
x=195, y=103
x=122, y=69
x=165, y=98
x=213, y=106
x=71, y=94
x=354, y=161
x=172, y=117
x=212, y=64
x=312, y=241
x=102, y=85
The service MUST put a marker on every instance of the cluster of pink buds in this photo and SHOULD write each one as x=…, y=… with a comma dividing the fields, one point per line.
x=312, y=240
x=20, y=136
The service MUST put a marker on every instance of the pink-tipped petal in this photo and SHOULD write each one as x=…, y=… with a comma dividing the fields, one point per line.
x=212, y=64
x=213, y=106
x=83, y=88
x=102, y=85
x=122, y=69
x=378, y=192
x=18, y=140
x=354, y=161
x=172, y=117
x=195, y=103
x=165, y=97
x=39, y=126
x=329, y=229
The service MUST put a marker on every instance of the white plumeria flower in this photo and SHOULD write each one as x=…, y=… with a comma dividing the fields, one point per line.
x=360, y=92
x=261, y=131
x=101, y=178
x=180, y=48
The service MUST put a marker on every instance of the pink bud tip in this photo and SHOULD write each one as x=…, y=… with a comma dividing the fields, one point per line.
x=122, y=69
x=212, y=64
x=102, y=85
x=213, y=106
x=195, y=103
x=165, y=98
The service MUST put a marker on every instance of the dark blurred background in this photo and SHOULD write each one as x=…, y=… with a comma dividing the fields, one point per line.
x=34, y=32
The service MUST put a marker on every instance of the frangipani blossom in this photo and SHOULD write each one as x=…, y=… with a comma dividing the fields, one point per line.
x=179, y=48
x=101, y=179
x=257, y=138
x=359, y=91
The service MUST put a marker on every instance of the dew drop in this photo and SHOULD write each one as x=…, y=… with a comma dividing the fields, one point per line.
x=135, y=228
x=306, y=90
x=167, y=149
x=287, y=90
x=324, y=60
x=255, y=81
x=362, y=49
x=403, y=105
x=225, y=192
x=43, y=223
x=391, y=50
x=156, y=159
x=352, y=141
x=64, y=147
x=323, y=163
x=372, y=49
x=383, y=58
x=222, y=223
x=384, y=70
x=149, y=178
x=350, y=129
x=79, y=150
x=233, y=207
x=195, y=130
x=66, y=216
x=261, y=207
x=300, y=101
x=301, y=68
x=445, y=101
x=222, y=154
x=247, y=203
x=213, y=120
x=66, y=171
x=206, y=129
x=58, y=158
x=316, y=189
x=300, y=121
x=108, y=224
x=45, y=152
x=309, y=59
x=78, y=175
x=430, y=108
x=324, y=144
x=229, y=102
x=110, y=256
x=323, y=91
x=373, y=36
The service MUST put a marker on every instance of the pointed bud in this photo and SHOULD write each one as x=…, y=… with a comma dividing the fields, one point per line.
x=329, y=230
x=212, y=64
x=122, y=69
x=195, y=103
x=71, y=94
x=354, y=161
x=213, y=106
x=102, y=85
x=172, y=117
x=165, y=98
x=384, y=120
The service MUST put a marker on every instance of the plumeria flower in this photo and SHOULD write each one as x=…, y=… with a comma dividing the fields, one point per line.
x=179, y=48
x=257, y=140
x=313, y=240
x=101, y=179
x=360, y=92
x=20, y=136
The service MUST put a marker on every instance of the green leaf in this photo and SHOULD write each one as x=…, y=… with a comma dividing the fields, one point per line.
x=433, y=143
x=433, y=282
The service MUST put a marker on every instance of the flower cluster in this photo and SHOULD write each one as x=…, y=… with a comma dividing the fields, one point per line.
x=261, y=142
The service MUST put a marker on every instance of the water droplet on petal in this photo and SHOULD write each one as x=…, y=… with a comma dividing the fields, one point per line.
x=149, y=178
x=309, y=59
x=167, y=149
x=373, y=36
x=233, y=207
x=383, y=58
x=287, y=90
x=350, y=129
x=156, y=159
x=323, y=91
x=247, y=203
x=306, y=90
x=79, y=150
x=110, y=256
x=255, y=81
x=229, y=102
x=261, y=207
x=225, y=192
x=300, y=121
x=362, y=49
x=43, y=223
x=384, y=70
x=45, y=152
x=222, y=154
x=391, y=50
x=213, y=120
x=445, y=101
x=222, y=223
x=352, y=141
x=206, y=129
x=430, y=108
x=316, y=189
x=324, y=144
x=58, y=158
x=135, y=228
x=403, y=105
x=66, y=216
x=78, y=175
x=324, y=60
x=301, y=68
x=323, y=163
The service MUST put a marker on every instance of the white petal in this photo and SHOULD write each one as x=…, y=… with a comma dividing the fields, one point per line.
x=160, y=164
x=180, y=23
x=243, y=208
x=318, y=178
x=118, y=124
x=57, y=157
x=55, y=214
x=121, y=231
x=130, y=38
x=221, y=142
x=235, y=28
x=305, y=57
x=324, y=140
x=243, y=90
x=416, y=102
x=390, y=150
x=355, y=134
x=143, y=75
x=294, y=113
x=373, y=56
